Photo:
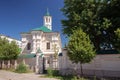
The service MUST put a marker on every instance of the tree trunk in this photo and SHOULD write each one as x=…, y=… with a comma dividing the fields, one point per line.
x=55, y=63
x=81, y=69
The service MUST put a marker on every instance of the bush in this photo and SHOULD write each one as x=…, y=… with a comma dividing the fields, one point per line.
x=22, y=68
x=51, y=72
x=74, y=78
x=55, y=74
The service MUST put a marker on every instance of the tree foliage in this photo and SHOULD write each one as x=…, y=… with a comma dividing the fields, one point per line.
x=80, y=48
x=1, y=48
x=92, y=17
x=56, y=50
x=112, y=12
x=8, y=50
x=117, y=33
x=22, y=68
x=14, y=50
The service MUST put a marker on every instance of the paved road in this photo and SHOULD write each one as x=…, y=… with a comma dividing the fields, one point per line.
x=7, y=75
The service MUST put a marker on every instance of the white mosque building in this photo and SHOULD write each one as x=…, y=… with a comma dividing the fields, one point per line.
x=43, y=39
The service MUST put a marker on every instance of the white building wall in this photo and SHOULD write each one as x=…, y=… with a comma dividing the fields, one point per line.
x=39, y=39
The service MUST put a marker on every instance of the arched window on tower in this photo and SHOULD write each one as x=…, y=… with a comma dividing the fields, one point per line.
x=49, y=19
x=28, y=46
x=46, y=19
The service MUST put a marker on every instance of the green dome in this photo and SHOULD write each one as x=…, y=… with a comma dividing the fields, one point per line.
x=42, y=28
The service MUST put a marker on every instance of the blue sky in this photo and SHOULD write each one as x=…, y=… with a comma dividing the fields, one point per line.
x=18, y=16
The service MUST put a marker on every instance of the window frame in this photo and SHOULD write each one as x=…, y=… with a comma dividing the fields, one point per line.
x=48, y=45
x=29, y=46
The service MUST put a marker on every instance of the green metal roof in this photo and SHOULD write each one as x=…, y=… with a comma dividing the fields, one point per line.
x=27, y=56
x=42, y=28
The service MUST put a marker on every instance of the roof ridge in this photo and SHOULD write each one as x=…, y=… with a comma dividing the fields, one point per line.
x=42, y=28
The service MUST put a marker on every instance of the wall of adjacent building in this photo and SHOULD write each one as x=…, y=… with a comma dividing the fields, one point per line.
x=18, y=42
x=101, y=65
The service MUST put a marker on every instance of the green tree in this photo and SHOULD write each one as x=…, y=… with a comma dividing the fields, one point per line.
x=8, y=50
x=1, y=49
x=85, y=14
x=56, y=50
x=14, y=50
x=80, y=48
x=112, y=12
x=5, y=48
x=22, y=68
x=117, y=41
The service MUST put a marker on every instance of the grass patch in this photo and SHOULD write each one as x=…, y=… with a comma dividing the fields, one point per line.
x=52, y=73
x=8, y=69
x=55, y=74
x=70, y=77
x=22, y=68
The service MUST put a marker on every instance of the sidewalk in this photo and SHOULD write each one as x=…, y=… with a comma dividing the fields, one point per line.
x=7, y=75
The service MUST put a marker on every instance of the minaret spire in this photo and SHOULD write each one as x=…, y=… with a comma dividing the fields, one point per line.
x=48, y=20
x=47, y=14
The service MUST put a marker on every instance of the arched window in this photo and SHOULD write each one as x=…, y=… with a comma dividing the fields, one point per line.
x=49, y=19
x=46, y=19
x=28, y=46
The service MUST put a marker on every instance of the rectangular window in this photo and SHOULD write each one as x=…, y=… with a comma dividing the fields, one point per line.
x=48, y=45
x=28, y=46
